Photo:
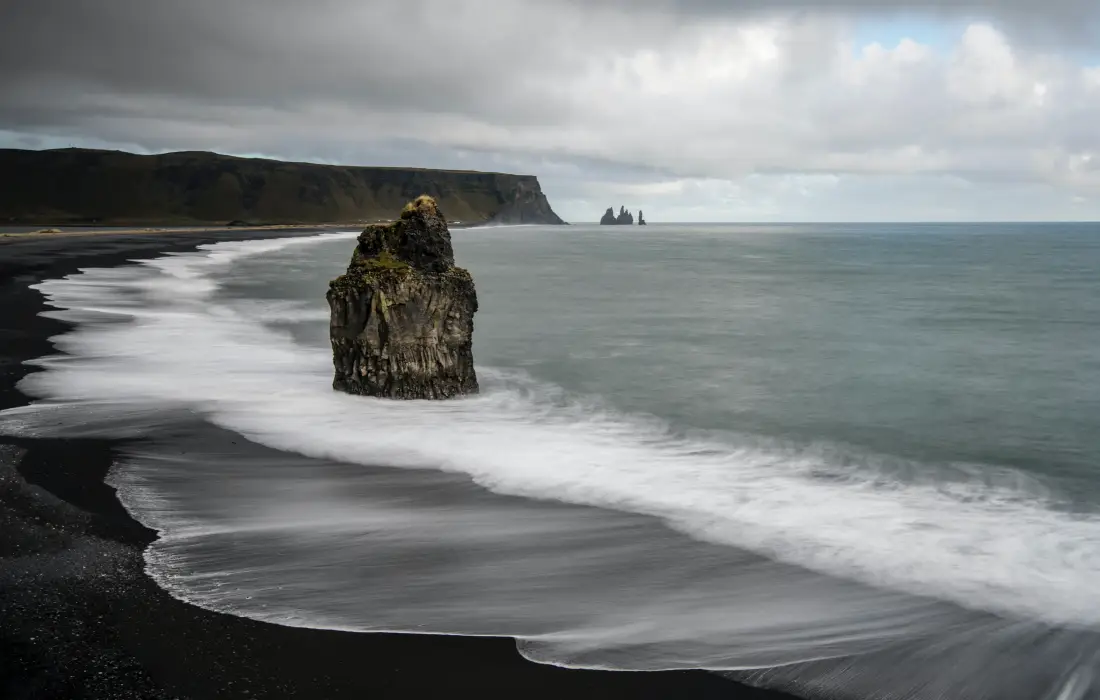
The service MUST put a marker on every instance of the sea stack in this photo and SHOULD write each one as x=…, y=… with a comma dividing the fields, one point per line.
x=403, y=315
x=625, y=218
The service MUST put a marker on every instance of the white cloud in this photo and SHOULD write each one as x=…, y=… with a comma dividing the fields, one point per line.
x=1091, y=77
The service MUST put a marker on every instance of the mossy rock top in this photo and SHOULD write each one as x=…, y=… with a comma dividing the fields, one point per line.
x=419, y=241
x=420, y=237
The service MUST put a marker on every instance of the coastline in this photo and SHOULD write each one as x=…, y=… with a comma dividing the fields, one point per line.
x=234, y=231
x=81, y=619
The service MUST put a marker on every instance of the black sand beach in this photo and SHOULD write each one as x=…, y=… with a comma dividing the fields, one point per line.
x=79, y=619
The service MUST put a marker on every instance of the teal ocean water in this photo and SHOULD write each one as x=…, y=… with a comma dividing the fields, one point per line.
x=844, y=460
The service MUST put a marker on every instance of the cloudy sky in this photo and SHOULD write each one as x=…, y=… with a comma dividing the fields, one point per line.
x=693, y=110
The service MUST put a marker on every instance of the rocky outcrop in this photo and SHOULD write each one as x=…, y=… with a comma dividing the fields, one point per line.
x=526, y=204
x=641, y=219
x=625, y=218
x=75, y=186
x=402, y=316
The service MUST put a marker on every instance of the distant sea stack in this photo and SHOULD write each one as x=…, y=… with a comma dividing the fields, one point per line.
x=641, y=219
x=73, y=186
x=624, y=218
x=402, y=316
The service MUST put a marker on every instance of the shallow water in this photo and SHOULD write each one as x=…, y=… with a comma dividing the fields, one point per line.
x=724, y=447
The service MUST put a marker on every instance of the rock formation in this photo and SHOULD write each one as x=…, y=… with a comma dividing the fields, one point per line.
x=625, y=218
x=525, y=204
x=111, y=188
x=403, y=315
x=641, y=219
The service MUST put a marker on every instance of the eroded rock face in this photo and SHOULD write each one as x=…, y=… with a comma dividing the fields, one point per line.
x=625, y=218
x=403, y=315
x=525, y=204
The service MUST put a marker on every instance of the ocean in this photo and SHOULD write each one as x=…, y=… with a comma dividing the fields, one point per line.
x=847, y=461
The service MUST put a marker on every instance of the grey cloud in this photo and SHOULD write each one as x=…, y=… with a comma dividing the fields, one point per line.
x=1053, y=12
x=497, y=85
x=272, y=53
x=282, y=50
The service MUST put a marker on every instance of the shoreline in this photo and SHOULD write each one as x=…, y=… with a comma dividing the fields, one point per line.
x=80, y=232
x=82, y=620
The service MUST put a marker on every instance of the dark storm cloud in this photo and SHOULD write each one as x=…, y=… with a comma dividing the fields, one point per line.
x=255, y=52
x=596, y=94
x=271, y=53
x=281, y=50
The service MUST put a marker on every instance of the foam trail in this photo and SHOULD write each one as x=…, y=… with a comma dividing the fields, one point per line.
x=343, y=545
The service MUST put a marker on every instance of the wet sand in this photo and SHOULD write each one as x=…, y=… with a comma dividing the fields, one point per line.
x=12, y=234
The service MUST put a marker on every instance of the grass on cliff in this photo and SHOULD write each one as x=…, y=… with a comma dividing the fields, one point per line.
x=187, y=189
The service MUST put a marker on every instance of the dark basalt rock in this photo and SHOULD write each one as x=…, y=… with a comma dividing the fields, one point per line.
x=526, y=205
x=402, y=316
x=625, y=218
x=641, y=219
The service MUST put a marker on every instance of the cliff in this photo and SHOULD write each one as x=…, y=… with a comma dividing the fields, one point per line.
x=77, y=186
x=625, y=218
x=402, y=316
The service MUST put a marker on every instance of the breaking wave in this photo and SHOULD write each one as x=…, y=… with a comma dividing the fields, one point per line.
x=364, y=518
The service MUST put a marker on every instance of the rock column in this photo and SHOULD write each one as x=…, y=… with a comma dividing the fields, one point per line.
x=402, y=316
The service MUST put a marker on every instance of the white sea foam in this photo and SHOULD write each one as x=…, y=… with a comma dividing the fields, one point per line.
x=999, y=546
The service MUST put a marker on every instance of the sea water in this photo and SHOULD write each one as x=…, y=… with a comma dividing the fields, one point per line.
x=844, y=460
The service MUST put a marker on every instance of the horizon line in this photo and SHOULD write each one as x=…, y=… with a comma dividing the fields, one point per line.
x=839, y=221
